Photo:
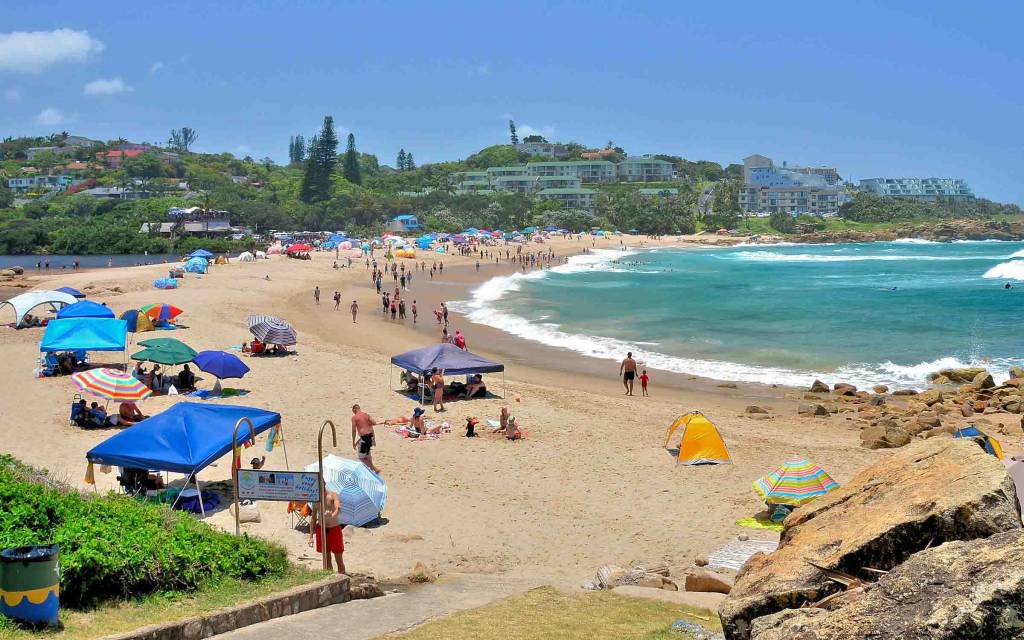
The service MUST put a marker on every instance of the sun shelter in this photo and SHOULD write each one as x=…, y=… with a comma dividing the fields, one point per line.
x=990, y=444
x=363, y=493
x=71, y=291
x=85, y=334
x=25, y=302
x=794, y=483
x=137, y=321
x=85, y=309
x=701, y=443
x=184, y=439
x=200, y=253
x=196, y=265
x=453, y=360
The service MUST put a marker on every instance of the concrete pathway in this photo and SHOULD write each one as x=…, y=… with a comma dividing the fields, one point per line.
x=366, y=619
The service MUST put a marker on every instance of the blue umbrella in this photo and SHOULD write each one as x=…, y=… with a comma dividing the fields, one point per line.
x=196, y=265
x=200, y=253
x=363, y=492
x=71, y=291
x=221, y=364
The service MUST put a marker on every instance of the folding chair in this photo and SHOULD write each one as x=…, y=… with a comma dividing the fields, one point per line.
x=76, y=409
x=300, y=513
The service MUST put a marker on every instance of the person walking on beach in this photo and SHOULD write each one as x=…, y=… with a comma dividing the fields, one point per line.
x=335, y=541
x=644, y=378
x=628, y=372
x=316, y=295
x=414, y=313
x=362, y=436
x=337, y=300
x=401, y=309
x=355, y=310
x=444, y=313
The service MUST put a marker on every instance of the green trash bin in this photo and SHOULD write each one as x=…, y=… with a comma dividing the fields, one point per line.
x=30, y=584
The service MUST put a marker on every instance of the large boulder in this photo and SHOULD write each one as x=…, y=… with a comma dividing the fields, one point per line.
x=928, y=493
x=930, y=397
x=970, y=590
x=818, y=387
x=812, y=409
x=962, y=375
x=983, y=381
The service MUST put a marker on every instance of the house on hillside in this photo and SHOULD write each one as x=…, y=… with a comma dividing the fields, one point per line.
x=404, y=223
x=116, y=157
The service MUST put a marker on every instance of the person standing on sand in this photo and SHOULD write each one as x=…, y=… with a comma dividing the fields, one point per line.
x=335, y=541
x=644, y=378
x=363, y=437
x=437, y=385
x=628, y=372
x=414, y=313
x=355, y=310
x=316, y=295
x=337, y=300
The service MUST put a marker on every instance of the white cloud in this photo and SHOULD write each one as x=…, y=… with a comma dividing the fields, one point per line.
x=106, y=87
x=526, y=130
x=34, y=51
x=12, y=95
x=51, y=117
x=506, y=116
x=156, y=66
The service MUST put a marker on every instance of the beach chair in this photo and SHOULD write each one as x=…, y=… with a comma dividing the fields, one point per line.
x=300, y=513
x=76, y=409
x=48, y=364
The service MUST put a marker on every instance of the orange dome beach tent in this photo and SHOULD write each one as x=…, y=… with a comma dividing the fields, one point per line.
x=701, y=443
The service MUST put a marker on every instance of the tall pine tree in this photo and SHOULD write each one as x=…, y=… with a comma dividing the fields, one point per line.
x=308, y=189
x=300, y=148
x=350, y=168
x=291, y=150
x=409, y=163
x=512, y=130
x=401, y=160
x=320, y=164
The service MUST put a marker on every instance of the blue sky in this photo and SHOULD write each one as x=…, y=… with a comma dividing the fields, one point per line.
x=925, y=88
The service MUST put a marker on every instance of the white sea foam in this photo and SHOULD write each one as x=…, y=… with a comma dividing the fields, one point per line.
x=774, y=256
x=913, y=241
x=1012, y=270
x=1017, y=254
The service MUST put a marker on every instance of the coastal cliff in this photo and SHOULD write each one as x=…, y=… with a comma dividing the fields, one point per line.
x=938, y=231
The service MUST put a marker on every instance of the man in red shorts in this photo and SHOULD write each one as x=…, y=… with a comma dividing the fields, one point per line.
x=335, y=541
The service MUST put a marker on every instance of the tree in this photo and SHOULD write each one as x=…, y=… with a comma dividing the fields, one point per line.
x=410, y=164
x=320, y=164
x=350, y=167
x=400, y=162
x=534, y=138
x=782, y=222
x=296, y=149
x=183, y=138
x=725, y=206
x=512, y=130
x=6, y=197
x=143, y=167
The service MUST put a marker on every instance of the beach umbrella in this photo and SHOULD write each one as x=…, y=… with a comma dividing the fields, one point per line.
x=200, y=253
x=272, y=330
x=221, y=364
x=197, y=265
x=165, y=356
x=165, y=343
x=274, y=250
x=71, y=291
x=111, y=384
x=795, y=482
x=295, y=248
x=137, y=321
x=165, y=283
x=550, y=228
x=530, y=230
x=363, y=492
x=345, y=245
x=161, y=311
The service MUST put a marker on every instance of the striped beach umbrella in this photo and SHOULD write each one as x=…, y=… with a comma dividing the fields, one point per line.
x=161, y=311
x=363, y=492
x=272, y=330
x=111, y=384
x=797, y=481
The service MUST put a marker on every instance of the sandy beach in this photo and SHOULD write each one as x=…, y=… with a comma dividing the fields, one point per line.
x=590, y=484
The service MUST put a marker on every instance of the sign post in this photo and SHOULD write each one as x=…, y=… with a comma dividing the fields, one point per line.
x=320, y=485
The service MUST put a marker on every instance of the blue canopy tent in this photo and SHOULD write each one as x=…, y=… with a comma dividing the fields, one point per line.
x=200, y=253
x=453, y=360
x=184, y=439
x=85, y=334
x=71, y=291
x=85, y=309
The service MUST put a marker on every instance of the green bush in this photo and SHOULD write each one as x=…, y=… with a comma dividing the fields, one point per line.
x=118, y=547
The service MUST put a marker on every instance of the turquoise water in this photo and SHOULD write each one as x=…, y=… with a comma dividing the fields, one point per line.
x=865, y=313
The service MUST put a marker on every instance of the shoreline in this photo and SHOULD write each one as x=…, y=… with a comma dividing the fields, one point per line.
x=592, y=483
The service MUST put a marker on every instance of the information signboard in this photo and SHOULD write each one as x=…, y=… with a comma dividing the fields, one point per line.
x=264, y=484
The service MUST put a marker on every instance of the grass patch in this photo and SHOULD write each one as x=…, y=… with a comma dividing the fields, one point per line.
x=547, y=614
x=117, y=617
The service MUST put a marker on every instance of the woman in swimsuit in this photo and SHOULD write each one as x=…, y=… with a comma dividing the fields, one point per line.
x=437, y=384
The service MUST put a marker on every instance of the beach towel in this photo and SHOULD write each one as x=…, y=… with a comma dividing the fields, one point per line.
x=755, y=523
x=735, y=554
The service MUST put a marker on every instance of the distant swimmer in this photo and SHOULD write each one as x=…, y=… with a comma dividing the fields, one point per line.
x=1007, y=285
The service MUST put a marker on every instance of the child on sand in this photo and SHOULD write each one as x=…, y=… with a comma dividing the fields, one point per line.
x=643, y=381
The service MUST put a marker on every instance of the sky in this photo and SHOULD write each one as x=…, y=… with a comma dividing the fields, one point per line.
x=930, y=89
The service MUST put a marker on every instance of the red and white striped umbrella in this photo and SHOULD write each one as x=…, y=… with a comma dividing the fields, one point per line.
x=111, y=384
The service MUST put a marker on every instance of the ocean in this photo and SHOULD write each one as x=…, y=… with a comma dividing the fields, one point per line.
x=879, y=313
x=57, y=262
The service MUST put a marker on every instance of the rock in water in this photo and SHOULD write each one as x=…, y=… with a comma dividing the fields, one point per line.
x=963, y=375
x=818, y=387
x=880, y=389
x=931, y=492
x=983, y=381
x=970, y=590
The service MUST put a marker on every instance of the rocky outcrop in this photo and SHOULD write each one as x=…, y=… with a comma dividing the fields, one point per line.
x=964, y=375
x=926, y=494
x=938, y=231
x=956, y=591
